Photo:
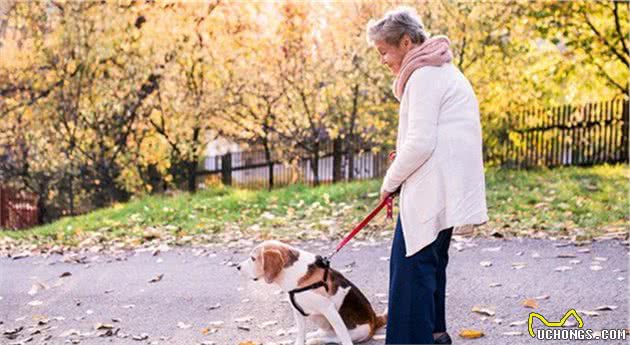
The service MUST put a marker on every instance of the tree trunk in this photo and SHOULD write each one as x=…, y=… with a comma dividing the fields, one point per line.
x=192, y=175
x=315, y=164
x=350, y=149
x=270, y=165
x=624, y=131
x=337, y=156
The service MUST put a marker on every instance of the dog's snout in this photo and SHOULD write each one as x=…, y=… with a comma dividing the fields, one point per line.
x=238, y=267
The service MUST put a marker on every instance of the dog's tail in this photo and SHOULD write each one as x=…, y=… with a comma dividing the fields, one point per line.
x=379, y=322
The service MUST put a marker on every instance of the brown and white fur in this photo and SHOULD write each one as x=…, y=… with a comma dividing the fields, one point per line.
x=343, y=314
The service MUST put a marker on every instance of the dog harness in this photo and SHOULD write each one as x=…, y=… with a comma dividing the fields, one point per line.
x=322, y=263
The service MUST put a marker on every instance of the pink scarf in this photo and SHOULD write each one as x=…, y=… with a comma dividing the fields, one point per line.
x=434, y=51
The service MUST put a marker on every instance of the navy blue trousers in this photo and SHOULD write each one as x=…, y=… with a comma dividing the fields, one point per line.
x=417, y=287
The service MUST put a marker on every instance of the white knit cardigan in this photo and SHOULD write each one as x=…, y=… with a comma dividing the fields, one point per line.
x=438, y=156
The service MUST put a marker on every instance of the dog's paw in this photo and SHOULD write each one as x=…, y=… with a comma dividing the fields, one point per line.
x=317, y=334
x=313, y=341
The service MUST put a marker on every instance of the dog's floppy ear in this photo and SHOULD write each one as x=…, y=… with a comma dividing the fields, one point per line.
x=272, y=264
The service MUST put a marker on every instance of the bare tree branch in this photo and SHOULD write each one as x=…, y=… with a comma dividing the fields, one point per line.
x=623, y=59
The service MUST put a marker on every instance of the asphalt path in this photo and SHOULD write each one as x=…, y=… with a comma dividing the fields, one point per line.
x=189, y=295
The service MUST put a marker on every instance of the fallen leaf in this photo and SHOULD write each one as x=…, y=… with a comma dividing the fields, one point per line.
x=69, y=333
x=588, y=312
x=513, y=333
x=216, y=323
x=596, y=268
x=21, y=255
x=518, y=323
x=483, y=311
x=606, y=307
x=563, y=268
x=495, y=284
x=244, y=319
x=103, y=326
x=518, y=265
x=183, y=325
x=213, y=307
x=566, y=256
x=530, y=303
x=470, y=333
x=35, y=303
x=209, y=330
x=267, y=324
x=143, y=336
x=37, y=287
x=13, y=331
x=157, y=279
x=485, y=263
x=65, y=274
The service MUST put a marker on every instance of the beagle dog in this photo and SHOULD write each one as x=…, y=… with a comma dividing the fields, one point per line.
x=341, y=312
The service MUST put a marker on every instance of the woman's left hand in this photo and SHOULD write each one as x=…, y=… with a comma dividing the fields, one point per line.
x=384, y=195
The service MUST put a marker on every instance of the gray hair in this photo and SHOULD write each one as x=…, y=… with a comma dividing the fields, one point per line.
x=394, y=25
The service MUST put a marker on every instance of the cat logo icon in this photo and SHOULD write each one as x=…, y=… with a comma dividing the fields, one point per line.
x=560, y=323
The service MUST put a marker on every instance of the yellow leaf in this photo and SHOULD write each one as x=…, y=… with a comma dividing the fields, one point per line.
x=530, y=303
x=71, y=67
x=470, y=333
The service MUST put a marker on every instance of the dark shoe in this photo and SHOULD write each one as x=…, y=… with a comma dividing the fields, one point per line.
x=443, y=339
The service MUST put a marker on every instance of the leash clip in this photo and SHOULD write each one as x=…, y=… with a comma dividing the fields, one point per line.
x=390, y=207
x=322, y=262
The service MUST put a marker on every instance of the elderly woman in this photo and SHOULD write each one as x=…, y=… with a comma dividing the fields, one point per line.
x=438, y=167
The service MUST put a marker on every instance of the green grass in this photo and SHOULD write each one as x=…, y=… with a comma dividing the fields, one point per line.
x=568, y=201
x=580, y=201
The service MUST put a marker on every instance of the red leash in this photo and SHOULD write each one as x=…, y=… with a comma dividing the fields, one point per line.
x=387, y=202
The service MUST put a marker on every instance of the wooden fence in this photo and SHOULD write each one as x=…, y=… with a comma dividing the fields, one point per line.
x=18, y=210
x=586, y=134
x=252, y=169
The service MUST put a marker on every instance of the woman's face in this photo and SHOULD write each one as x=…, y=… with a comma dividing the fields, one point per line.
x=392, y=55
